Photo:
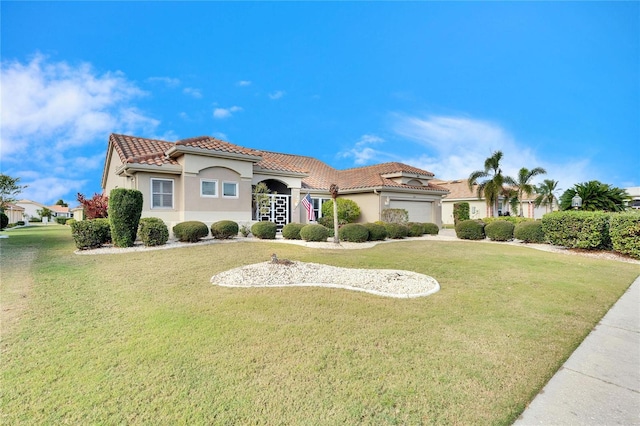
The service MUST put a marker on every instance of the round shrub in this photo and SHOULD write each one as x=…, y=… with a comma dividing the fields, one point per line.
x=431, y=228
x=415, y=229
x=377, y=232
x=470, y=230
x=354, y=233
x=314, y=232
x=4, y=220
x=153, y=231
x=348, y=210
x=529, y=232
x=264, y=230
x=90, y=234
x=224, y=229
x=500, y=230
x=291, y=231
x=190, y=231
x=69, y=222
x=396, y=230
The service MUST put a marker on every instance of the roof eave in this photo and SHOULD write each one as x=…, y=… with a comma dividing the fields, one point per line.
x=178, y=150
x=285, y=173
x=137, y=167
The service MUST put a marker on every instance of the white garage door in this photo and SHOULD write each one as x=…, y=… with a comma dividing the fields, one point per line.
x=419, y=211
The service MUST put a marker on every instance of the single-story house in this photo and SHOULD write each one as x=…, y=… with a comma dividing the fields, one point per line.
x=14, y=213
x=634, y=193
x=30, y=208
x=207, y=179
x=478, y=209
x=60, y=211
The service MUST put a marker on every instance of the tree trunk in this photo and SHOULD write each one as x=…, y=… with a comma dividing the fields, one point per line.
x=336, y=238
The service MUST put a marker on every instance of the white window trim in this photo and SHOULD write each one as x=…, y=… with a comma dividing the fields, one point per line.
x=232, y=183
x=173, y=193
x=215, y=182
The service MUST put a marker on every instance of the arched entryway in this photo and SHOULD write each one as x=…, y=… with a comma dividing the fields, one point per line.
x=274, y=204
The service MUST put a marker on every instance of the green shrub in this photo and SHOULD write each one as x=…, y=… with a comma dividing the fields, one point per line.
x=314, y=232
x=4, y=220
x=500, y=230
x=245, y=230
x=470, y=230
x=348, y=210
x=460, y=212
x=62, y=220
x=224, y=229
x=326, y=221
x=394, y=216
x=577, y=229
x=415, y=229
x=124, y=211
x=69, y=222
x=396, y=231
x=377, y=232
x=153, y=231
x=190, y=231
x=513, y=219
x=431, y=228
x=90, y=234
x=264, y=230
x=291, y=231
x=354, y=233
x=35, y=219
x=625, y=233
x=529, y=232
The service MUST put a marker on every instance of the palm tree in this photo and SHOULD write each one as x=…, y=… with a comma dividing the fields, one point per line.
x=547, y=194
x=493, y=186
x=523, y=183
x=510, y=196
x=596, y=196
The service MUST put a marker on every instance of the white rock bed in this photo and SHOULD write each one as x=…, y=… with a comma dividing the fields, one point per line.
x=382, y=282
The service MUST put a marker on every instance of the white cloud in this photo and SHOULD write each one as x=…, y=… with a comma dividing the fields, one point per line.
x=222, y=113
x=48, y=190
x=276, y=95
x=168, y=81
x=196, y=93
x=363, y=154
x=456, y=146
x=244, y=83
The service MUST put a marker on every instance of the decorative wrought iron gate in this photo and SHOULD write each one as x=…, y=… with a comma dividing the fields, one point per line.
x=277, y=211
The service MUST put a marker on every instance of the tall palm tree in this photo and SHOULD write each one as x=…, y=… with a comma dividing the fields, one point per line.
x=547, y=194
x=491, y=187
x=523, y=183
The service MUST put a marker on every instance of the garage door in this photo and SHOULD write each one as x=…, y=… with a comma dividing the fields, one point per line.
x=419, y=211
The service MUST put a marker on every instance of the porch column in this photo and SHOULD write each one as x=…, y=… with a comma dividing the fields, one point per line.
x=296, y=207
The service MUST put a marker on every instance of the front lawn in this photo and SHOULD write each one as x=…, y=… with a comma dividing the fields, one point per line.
x=144, y=338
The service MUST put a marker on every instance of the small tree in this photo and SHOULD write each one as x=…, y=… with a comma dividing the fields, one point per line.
x=9, y=190
x=460, y=212
x=94, y=207
x=125, y=209
x=60, y=202
x=45, y=212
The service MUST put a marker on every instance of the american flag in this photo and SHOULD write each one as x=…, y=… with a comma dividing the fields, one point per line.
x=308, y=204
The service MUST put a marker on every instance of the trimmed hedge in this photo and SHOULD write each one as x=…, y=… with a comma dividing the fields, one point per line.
x=396, y=231
x=500, y=230
x=625, y=233
x=224, y=229
x=354, y=233
x=90, y=234
x=191, y=231
x=291, y=231
x=314, y=232
x=470, y=230
x=415, y=229
x=377, y=232
x=348, y=210
x=577, y=229
x=62, y=220
x=529, y=232
x=264, y=230
x=431, y=228
x=153, y=231
x=513, y=219
x=4, y=220
x=460, y=212
x=124, y=211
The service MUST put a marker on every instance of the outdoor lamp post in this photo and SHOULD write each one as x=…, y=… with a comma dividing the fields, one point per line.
x=576, y=202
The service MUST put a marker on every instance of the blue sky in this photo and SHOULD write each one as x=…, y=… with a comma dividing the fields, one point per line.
x=437, y=85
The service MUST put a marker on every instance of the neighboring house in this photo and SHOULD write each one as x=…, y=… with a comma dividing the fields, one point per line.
x=30, y=208
x=14, y=213
x=207, y=179
x=60, y=211
x=478, y=209
x=77, y=213
x=634, y=193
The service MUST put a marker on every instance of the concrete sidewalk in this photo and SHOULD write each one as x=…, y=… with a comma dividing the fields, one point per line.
x=600, y=382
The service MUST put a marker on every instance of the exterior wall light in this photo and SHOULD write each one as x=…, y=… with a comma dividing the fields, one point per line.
x=576, y=202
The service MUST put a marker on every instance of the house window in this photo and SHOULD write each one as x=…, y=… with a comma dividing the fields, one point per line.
x=317, y=206
x=230, y=189
x=161, y=193
x=208, y=188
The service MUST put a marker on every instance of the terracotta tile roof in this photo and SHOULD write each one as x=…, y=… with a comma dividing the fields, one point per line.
x=141, y=150
x=59, y=209
x=319, y=174
x=213, y=144
x=458, y=189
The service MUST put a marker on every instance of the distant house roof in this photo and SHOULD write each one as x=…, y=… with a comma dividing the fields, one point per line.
x=314, y=173
x=11, y=206
x=59, y=209
x=459, y=190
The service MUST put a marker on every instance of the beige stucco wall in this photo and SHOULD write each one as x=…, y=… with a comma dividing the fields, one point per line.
x=113, y=180
x=369, y=204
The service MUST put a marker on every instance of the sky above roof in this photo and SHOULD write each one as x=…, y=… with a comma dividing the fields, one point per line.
x=436, y=85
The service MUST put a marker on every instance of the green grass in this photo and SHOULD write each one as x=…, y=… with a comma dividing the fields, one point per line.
x=144, y=338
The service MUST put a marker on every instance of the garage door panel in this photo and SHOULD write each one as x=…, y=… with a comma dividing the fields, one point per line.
x=419, y=211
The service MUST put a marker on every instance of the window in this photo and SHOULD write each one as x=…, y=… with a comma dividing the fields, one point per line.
x=230, y=189
x=208, y=188
x=161, y=193
x=317, y=206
